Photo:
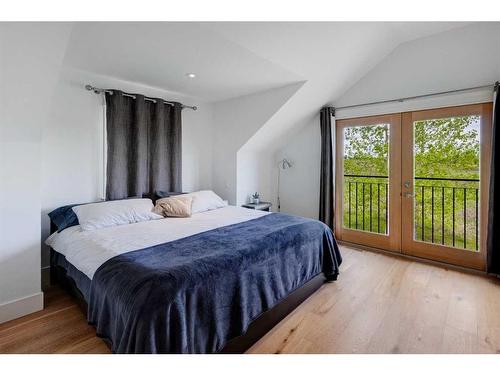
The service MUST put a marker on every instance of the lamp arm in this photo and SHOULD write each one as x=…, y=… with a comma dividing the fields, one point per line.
x=278, y=200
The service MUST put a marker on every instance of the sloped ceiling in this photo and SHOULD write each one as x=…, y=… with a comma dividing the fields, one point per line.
x=330, y=56
x=232, y=59
x=466, y=57
x=317, y=48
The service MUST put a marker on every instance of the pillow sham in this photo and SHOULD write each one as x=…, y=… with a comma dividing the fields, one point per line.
x=112, y=213
x=205, y=200
x=175, y=206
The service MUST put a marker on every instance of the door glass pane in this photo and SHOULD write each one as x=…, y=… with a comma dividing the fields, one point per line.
x=446, y=181
x=366, y=178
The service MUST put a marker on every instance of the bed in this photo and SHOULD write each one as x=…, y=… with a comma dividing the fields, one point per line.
x=212, y=283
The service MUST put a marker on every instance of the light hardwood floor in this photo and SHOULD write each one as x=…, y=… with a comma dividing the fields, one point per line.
x=380, y=304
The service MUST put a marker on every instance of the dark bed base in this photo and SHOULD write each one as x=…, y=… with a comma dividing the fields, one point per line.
x=257, y=329
x=266, y=321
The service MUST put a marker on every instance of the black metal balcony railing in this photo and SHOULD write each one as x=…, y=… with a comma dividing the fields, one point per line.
x=446, y=209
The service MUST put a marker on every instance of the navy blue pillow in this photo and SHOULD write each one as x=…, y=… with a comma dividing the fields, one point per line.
x=64, y=217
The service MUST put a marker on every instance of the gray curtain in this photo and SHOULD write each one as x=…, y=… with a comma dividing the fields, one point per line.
x=327, y=174
x=493, y=240
x=144, y=146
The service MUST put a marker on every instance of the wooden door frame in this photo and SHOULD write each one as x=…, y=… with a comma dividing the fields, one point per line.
x=392, y=241
x=462, y=257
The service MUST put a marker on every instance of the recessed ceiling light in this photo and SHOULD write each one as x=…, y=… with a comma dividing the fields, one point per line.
x=190, y=75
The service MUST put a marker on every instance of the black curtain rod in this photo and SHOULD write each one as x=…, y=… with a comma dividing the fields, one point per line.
x=98, y=90
x=401, y=100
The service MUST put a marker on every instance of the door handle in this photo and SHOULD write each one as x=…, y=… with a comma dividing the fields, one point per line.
x=407, y=195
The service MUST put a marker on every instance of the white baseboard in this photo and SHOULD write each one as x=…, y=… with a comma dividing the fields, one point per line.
x=20, y=307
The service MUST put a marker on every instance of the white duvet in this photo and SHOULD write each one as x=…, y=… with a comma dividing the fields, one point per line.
x=88, y=250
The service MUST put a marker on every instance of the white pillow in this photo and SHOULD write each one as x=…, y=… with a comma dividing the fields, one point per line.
x=112, y=213
x=205, y=200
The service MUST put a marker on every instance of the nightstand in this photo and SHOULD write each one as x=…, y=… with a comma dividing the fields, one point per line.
x=262, y=206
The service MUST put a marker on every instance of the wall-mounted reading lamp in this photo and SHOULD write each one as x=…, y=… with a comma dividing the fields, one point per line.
x=282, y=165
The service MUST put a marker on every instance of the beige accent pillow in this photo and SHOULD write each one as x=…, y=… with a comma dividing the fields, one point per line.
x=176, y=206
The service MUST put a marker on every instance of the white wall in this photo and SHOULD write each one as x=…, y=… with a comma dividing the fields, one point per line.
x=72, y=144
x=253, y=175
x=299, y=185
x=31, y=56
x=235, y=122
x=459, y=58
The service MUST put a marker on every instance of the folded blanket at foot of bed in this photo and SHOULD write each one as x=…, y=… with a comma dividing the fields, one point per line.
x=194, y=294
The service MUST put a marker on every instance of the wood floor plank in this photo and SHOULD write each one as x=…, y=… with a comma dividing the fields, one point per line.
x=462, y=311
x=89, y=345
x=393, y=330
x=426, y=333
x=380, y=304
x=489, y=316
x=462, y=342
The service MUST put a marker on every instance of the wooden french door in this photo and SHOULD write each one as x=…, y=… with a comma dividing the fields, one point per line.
x=445, y=195
x=368, y=194
x=416, y=182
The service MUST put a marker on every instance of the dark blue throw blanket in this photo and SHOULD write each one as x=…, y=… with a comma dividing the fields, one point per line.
x=194, y=294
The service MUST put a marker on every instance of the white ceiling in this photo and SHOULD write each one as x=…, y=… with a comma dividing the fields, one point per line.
x=160, y=55
x=237, y=58
x=316, y=48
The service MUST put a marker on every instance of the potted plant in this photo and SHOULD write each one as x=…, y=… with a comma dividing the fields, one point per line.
x=255, y=198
